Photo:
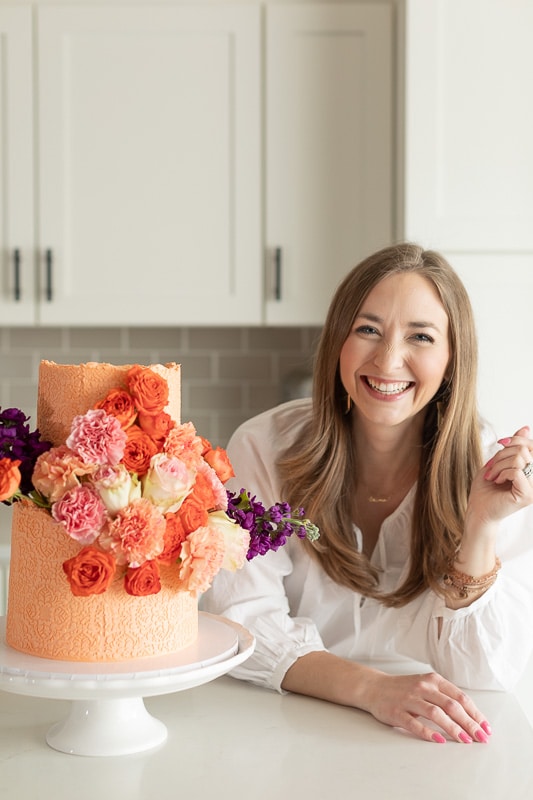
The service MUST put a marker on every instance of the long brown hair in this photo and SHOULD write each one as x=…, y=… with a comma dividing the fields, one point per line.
x=319, y=470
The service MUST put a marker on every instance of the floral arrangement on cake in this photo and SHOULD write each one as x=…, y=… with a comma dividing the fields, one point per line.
x=136, y=490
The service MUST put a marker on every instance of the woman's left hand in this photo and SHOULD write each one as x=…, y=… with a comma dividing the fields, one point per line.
x=501, y=487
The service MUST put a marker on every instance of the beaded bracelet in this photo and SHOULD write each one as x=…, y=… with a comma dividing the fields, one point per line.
x=468, y=584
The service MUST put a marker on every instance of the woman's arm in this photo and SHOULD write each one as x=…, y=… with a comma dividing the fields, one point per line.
x=415, y=703
x=500, y=489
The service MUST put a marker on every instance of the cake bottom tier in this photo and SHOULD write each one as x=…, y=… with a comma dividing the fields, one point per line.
x=45, y=619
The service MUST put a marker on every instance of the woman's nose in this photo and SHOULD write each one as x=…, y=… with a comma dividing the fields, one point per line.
x=388, y=356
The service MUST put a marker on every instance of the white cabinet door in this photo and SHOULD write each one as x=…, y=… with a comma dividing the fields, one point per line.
x=329, y=133
x=469, y=124
x=17, y=286
x=149, y=164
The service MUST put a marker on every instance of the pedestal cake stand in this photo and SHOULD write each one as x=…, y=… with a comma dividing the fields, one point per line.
x=107, y=713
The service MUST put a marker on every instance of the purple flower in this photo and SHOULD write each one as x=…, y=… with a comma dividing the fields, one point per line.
x=269, y=529
x=17, y=442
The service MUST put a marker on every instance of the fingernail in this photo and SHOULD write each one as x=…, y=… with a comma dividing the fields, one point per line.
x=464, y=737
x=481, y=736
x=486, y=476
x=486, y=727
x=505, y=441
x=438, y=738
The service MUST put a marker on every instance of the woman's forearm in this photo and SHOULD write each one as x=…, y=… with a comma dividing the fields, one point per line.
x=403, y=701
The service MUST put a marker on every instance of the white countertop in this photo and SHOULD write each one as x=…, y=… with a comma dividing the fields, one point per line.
x=228, y=739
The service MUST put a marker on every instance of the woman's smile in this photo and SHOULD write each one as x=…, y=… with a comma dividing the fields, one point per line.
x=396, y=356
x=386, y=389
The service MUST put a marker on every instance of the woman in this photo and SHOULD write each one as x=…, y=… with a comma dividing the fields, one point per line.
x=389, y=460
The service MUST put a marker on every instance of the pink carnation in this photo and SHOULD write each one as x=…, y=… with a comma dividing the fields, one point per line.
x=97, y=438
x=57, y=471
x=202, y=554
x=82, y=514
x=183, y=442
x=136, y=534
x=220, y=494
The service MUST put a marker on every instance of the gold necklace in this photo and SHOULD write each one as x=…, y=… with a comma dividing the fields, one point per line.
x=372, y=499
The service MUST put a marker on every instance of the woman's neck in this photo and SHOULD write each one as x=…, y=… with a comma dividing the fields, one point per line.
x=387, y=460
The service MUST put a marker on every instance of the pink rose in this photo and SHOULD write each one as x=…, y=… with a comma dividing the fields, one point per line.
x=97, y=438
x=202, y=554
x=116, y=487
x=136, y=534
x=168, y=482
x=82, y=514
x=57, y=471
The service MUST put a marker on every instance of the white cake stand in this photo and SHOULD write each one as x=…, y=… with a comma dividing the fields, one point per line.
x=107, y=714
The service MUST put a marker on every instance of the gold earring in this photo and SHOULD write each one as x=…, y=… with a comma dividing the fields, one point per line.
x=348, y=406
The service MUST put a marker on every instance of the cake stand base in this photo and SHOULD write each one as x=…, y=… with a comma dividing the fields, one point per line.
x=107, y=715
x=107, y=728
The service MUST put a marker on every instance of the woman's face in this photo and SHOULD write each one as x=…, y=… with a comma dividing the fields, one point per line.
x=396, y=356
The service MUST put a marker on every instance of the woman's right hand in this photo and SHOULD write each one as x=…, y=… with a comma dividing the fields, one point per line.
x=412, y=701
x=426, y=705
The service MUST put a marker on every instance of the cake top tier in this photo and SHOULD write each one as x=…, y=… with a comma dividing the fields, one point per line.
x=67, y=390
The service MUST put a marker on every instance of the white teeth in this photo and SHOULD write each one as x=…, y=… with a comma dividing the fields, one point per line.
x=389, y=388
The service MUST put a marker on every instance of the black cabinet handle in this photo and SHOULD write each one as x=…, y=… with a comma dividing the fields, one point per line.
x=49, y=276
x=16, y=274
x=277, y=273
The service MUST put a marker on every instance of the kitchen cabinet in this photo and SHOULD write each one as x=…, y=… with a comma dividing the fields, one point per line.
x=148, y=165
x=17, y=280
x=329, y=150
x=203, y=164
x=468, y=160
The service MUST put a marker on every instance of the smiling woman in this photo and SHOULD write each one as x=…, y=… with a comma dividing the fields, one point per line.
x=417, y=505
x=392, y=364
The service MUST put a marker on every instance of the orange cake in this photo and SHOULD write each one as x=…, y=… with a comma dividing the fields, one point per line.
x=45, y=617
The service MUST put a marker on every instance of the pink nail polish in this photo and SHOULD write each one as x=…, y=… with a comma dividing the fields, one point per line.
x=438, y=738
x=486, y=727
x=481, y=736
x=505, y=441
x=464, y=737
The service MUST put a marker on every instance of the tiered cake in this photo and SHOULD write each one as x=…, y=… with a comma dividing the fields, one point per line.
x=44, y=617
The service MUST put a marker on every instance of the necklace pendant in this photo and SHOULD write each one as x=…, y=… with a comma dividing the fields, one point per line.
x=372, y=499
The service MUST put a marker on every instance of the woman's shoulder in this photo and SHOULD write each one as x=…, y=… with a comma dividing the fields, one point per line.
x=284, y=420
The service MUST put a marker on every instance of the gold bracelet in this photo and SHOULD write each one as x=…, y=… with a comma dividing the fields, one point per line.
x=468, y=584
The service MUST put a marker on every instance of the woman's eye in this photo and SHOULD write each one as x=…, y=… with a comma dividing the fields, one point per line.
x=423, y=337
x=366, y=330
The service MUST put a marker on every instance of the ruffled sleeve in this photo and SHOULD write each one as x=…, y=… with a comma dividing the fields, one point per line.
x=255, y=596
x=486, y=645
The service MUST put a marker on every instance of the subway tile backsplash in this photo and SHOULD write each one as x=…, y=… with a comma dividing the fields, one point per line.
x=228, y=374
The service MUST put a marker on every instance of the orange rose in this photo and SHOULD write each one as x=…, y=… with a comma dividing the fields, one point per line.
x=192, y=513
x=157, y=426
x=174, y=538
x=138, y=451
x=91, y=571
x=144, y=580
x=119, y=404
x=206, y=445
x=149, y=390
x=10, y=478
x=219, y=460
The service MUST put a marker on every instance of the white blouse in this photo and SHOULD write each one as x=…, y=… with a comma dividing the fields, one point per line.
x=292, y=607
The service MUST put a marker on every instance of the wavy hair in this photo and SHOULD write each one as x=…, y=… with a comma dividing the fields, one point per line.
x=319, y=471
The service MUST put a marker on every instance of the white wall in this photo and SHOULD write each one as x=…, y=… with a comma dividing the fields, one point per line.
x=501, y=290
